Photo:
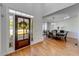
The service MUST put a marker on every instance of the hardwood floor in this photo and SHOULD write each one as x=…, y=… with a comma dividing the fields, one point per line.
x=49, y=47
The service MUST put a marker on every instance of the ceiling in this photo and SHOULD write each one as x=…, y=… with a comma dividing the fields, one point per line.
x=64, y=14
x=48, y=8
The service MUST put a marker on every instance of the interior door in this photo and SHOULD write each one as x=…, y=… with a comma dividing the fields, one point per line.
x=22, y=31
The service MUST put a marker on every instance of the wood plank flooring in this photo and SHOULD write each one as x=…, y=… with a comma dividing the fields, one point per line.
x=49, y=47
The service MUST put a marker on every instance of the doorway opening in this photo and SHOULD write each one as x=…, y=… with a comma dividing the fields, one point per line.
x=21, y=29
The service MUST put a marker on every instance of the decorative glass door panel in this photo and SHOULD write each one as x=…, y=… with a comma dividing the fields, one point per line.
x=22, y=31
x=26, y=29
x=19, y=29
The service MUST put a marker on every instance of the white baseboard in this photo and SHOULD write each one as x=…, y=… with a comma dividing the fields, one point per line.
x=37, y=41
x=32, y=43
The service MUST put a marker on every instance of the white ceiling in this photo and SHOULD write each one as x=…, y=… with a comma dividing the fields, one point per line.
x=53, y=7
x=48, y=7
x=24, y=7
x=70, y=12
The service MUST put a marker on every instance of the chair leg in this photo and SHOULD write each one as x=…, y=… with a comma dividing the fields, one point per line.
x=65, y=40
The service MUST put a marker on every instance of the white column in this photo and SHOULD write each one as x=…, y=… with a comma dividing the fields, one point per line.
x=4, y=30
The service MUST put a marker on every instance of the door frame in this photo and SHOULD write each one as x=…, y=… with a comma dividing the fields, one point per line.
x=16, y=16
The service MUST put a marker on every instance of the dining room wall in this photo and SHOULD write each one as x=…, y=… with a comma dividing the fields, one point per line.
x=70, y=25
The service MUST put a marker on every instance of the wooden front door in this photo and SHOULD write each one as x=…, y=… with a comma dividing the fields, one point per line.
x=22, y=31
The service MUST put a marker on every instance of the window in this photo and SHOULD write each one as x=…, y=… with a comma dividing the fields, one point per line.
x=44, y=27
x=11, y=30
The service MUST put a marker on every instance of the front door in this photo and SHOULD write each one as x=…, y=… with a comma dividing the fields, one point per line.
x=22, y=31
